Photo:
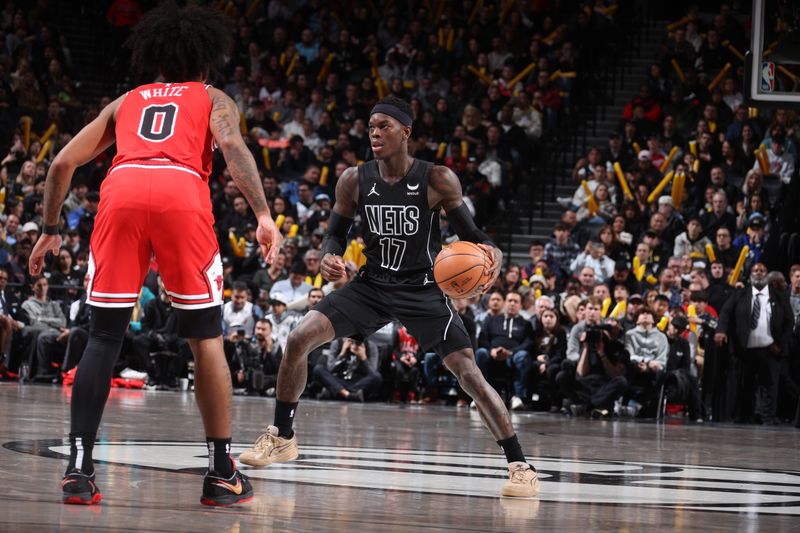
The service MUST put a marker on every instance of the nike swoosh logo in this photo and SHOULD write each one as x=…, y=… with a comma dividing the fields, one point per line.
x=412, y=187
x=236, y=489
x=281, y=448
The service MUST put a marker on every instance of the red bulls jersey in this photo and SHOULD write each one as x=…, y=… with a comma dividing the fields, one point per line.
x=165, y=122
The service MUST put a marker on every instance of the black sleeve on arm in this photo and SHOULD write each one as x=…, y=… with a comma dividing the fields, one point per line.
x=335, y=240
x=461, y=220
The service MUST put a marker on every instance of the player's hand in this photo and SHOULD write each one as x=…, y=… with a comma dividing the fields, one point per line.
x=269, y=238
x=332, y=268
x=46, y=243
x=494, y=269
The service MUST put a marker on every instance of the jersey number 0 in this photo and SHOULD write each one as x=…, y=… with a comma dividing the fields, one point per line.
x=158, y=122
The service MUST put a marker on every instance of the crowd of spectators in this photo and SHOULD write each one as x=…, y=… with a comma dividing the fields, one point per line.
x=616, y=309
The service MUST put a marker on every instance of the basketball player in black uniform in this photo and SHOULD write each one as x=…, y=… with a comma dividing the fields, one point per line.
x=398, y=198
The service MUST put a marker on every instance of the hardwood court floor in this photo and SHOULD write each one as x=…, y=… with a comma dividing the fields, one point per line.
x=385, y=468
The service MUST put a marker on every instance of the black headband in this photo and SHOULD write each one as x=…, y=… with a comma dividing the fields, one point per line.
x=393, y=111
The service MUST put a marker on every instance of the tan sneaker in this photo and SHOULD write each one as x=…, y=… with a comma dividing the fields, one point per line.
x=522, y=481
x=270, y=448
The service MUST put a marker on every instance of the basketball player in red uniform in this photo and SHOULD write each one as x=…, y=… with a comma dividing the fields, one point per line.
x=155, y=200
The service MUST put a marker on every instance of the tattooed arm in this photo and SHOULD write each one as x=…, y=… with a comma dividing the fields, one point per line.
x=445, y=192
x=224, y=125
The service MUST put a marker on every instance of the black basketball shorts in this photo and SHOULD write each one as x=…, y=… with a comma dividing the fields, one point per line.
x=365, y=305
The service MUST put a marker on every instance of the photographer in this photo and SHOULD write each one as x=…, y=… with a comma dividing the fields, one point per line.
x=600, y=370
x=348, y=372
x=648, y=349
x=159, y=342
x=254, y=364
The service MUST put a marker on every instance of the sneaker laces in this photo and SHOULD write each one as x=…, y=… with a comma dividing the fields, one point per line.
x=265, y=441
x=518, y=474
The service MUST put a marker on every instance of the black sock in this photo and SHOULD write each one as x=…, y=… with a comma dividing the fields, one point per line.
x=219, y=456
x=512, y=449
x=80, y=452
x=284, y=418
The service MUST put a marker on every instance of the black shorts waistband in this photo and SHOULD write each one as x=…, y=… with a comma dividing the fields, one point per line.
x=424, y=277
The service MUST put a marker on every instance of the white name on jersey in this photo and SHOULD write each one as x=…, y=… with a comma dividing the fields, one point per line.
x=392, y=220
x=167, y=90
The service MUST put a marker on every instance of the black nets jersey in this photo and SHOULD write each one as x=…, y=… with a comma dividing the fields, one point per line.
x=401, y=232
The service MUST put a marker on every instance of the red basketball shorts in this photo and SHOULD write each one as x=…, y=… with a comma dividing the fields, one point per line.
x=154, y=209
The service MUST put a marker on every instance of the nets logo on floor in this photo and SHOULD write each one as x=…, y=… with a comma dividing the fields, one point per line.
x=700, y=488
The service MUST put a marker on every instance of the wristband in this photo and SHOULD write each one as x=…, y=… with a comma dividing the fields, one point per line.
x=50, y=229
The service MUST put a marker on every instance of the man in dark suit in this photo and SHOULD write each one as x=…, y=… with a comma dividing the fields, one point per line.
x=759, y=320
x=12, y=320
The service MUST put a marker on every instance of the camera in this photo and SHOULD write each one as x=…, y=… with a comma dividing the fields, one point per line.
x=595, y=333
x=241, y=332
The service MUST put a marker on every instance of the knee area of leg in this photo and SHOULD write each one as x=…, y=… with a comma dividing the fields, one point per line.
x=520, y=357
x=296, y=341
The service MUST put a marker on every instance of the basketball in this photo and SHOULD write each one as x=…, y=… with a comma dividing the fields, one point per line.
x=461, y=268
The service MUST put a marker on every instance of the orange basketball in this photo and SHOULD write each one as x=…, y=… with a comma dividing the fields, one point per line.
x=461, y=268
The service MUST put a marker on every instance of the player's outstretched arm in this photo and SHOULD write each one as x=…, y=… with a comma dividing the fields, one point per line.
x=224, y=124
x=90, y=142
x=332, y=265
x=445, y=192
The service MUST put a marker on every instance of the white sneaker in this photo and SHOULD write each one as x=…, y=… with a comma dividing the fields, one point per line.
x=516, y=403
x=473, y=405
x=130, y=373
x=522, y=481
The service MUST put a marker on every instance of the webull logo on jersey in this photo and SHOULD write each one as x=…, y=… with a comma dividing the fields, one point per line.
x=392, y=220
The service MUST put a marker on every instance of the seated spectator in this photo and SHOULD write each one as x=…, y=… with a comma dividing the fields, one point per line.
x=781, y=162
x=594, y=256
x=587, y=279
x=46, y=331
x=719, y=216
x=605, y=207
x=724, y=250
x=505, y=342
x=80, y=314
x=295, y=287
x=680, y=384
x=550, y=345
x=159, y=337
x=648, y=349
x=265, y=278
x=561, y=250
x=238, y=313
x=692, y=241
x=283, y=321
x=405, y=368
x=12, y=320
x=348, y=372
x=494, y=307
x=242, y=359
x=755, y=238
x=537, y=256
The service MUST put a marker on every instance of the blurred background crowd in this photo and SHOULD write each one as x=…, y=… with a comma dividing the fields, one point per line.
x=660, y=286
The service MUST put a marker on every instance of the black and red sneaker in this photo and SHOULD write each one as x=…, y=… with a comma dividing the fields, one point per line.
x=79, y=489
x=222, y=492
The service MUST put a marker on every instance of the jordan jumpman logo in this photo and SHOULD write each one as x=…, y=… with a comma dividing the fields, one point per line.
x=373, y=191
x=426, y=281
